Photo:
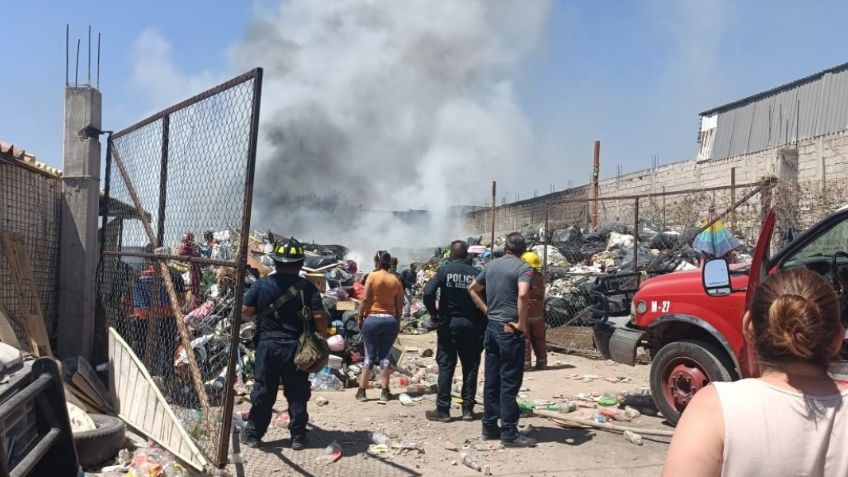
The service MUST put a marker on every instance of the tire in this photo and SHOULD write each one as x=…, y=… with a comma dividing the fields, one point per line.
x=693, y=364
x=101, y=444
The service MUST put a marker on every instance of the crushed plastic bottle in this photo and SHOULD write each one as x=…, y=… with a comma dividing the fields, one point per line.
x=380, y=438
x=325, y=380
x=632, y=413
x=633, y=438
x=563, y=407
x=469, y=461
x=332, y=453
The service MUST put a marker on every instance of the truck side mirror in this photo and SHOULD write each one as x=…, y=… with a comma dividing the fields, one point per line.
x=716, y=277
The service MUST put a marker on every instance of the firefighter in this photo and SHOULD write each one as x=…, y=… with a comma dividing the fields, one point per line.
x=278, y=330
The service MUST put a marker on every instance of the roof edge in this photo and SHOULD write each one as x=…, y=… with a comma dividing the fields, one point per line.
x=774, y=90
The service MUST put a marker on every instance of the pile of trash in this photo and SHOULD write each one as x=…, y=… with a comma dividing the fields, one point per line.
x=590, y=274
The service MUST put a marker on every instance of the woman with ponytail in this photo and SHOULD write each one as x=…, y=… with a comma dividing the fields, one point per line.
x=379, y=320
x=793, y=419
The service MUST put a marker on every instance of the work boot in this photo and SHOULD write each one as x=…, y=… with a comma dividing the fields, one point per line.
x=528, y=366
x=360, y=395
x=467, y=415
x=385, y=396
x=491, y=434
x=298, y=443
x=520, y=441
x=437, y=416
x=251, y=441
x=541, y=366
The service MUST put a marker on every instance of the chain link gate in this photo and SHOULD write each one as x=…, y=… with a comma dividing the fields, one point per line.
x=172, y=272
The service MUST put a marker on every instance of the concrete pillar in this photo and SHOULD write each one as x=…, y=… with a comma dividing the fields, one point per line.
x=78, y=251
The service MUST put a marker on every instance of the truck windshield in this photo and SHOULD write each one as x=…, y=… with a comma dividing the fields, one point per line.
x=823, y=246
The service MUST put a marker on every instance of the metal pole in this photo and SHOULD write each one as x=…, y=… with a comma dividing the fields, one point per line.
x=89, y=55
x=67, y=52
x=635, y=235
x=98, y=61
x=733, y=197
x=163, y=181
x=596, y=171
x=107, y=187
x=76, y=68
x=494, y=192
x=229, y=392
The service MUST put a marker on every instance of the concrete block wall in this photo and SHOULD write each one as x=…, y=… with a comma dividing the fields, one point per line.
x=820, y=188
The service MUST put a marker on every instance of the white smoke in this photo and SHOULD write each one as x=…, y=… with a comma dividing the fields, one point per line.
x=386, y=106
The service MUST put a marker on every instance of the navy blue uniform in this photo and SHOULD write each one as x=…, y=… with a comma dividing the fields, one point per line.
x=275, y=348
x=460, y=332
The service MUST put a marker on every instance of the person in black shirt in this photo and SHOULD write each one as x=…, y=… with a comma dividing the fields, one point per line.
x=460, y=331
x=277, y=341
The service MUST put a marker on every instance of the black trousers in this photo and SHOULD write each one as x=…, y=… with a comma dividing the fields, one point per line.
x=462, y=338
x=275, y=363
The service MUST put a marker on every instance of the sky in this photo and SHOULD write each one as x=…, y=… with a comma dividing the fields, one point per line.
x=633, y=75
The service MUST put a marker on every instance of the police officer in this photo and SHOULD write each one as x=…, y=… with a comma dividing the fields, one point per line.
x=277, y=300
x=460, y=333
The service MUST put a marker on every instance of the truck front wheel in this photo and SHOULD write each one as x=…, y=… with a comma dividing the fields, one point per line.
x=682, y=368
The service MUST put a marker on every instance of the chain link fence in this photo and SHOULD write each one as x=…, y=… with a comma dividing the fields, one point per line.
x=172, y=271
x=593, y=273
x=30, y=208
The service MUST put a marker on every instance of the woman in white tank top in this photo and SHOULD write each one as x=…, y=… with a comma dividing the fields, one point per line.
x=792, y=420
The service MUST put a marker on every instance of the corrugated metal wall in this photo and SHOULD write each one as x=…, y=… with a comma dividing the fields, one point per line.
x=775, y=120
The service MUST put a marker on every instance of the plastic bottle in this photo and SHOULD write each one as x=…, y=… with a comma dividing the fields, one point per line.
x=332, y=453
x=469, y=461
x=633, y=438
x=379, y=438
x=632, y=413
x=563, y=407
x=525, y=407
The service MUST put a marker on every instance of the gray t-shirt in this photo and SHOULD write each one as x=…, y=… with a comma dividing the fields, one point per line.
x=501, y=279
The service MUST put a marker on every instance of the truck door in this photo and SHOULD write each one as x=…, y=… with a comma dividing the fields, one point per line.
x=759, y=263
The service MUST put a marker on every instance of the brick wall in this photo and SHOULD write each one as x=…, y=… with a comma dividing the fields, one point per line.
x=820, y=187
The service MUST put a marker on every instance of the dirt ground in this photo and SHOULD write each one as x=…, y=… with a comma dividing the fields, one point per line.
x=561, y=452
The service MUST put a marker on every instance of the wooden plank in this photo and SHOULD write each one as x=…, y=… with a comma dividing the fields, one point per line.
x=134, y=398
x=28, y=297
x=7, y=333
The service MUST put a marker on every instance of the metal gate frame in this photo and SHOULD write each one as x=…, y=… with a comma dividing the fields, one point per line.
x=240, y=260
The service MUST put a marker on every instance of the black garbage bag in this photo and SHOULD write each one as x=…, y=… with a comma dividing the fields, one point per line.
x=569, y=242
x=557, y=273
x=474, y=240
x=321, y=260
x=644, y=258
x=664, y=241
x=648, y=230
x=561, y=310
x=689, y=234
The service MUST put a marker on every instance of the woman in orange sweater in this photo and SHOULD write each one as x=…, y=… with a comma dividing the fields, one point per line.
x=379, y=320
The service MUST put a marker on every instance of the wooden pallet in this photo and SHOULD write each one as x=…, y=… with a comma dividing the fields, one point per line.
x=141, y=405
x=32, y=319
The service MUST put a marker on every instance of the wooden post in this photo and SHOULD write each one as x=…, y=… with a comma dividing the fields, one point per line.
x=596, y=171
x=165, y=275
x=494, y=203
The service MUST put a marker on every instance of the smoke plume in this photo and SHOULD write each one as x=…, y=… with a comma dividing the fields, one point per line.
x=377, y=106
